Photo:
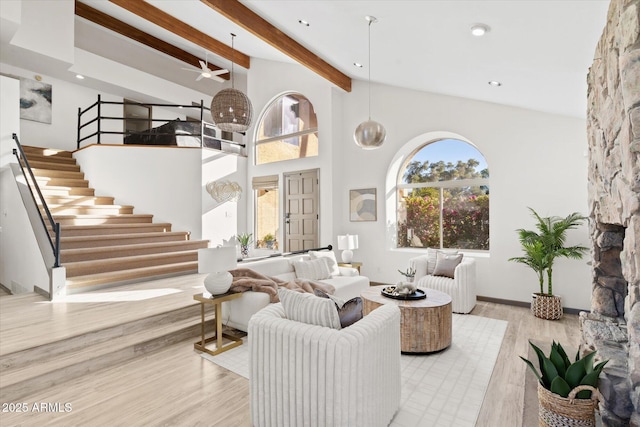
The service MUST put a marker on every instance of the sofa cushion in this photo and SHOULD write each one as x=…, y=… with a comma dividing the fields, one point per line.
x=349, y=312
x=308, y=308
x=446, y=264
x=287, y=277
x=315, y=269
x=331, y=260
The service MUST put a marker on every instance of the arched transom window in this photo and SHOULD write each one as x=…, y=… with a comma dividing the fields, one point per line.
x=288, y=130
x=443, y=197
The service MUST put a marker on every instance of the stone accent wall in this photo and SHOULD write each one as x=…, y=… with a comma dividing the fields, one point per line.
x=613, y=126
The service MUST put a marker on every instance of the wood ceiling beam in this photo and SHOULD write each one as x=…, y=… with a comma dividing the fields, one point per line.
x=258, y=26
x=113, y=24
x=164, y=20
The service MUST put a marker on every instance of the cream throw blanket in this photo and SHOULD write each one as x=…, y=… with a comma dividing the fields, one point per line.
x=245, y=279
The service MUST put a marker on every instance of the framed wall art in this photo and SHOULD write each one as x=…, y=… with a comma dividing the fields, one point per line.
x=35, y=100
x=362, y=205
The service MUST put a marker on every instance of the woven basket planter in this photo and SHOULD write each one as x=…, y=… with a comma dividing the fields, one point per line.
x=547, y=307
x=557, y=411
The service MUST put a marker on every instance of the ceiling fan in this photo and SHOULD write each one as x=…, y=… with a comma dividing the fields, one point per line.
x=206, y=73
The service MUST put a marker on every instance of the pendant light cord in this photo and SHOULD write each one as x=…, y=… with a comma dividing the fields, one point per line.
x=370, y=22
x=233, y=36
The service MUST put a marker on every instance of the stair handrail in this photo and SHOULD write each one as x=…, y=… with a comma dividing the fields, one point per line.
x=55, y=243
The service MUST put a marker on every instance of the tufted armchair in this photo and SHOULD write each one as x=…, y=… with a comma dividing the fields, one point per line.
x=461, y=288
x=308, y=375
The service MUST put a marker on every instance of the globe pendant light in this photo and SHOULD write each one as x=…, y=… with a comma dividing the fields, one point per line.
x=231, y=109
x=369, y=135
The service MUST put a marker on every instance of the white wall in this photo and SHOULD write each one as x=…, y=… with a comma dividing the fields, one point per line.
x=266, y=81
x=20, y=270
x=535, y=159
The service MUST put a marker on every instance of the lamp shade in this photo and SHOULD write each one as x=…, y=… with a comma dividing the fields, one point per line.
x=231, y=110
x=348, y=242
x=214, y=260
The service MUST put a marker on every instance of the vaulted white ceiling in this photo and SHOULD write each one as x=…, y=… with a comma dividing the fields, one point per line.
x=540, y=50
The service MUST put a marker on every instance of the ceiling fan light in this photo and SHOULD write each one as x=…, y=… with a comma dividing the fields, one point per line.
x=479, y=30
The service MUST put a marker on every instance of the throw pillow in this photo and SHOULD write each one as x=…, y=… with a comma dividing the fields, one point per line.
x=331, y=260
x=307, y=308
x=315, y=269
x=349, y=312
x=446, y=264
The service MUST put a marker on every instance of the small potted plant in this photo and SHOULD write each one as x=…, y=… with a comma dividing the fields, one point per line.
x=409, y=273
x=541, y=248
x=269, y=240
x=245, y=240
x=566, y=391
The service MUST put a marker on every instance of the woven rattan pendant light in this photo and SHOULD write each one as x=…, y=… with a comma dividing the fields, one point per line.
x=231, y=109
x=369, y=135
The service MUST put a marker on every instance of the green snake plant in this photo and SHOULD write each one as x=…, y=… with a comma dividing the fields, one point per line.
x=559, y=375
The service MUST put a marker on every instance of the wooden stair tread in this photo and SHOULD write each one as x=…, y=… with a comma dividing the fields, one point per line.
x=122, y=236
x=48, y=152
x=118, y=251
x=132, y=274
x=80, y=200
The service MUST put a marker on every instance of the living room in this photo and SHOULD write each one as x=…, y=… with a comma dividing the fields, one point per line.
x=515, y=141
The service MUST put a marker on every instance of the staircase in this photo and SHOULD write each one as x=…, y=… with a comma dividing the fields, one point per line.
x=101, y=242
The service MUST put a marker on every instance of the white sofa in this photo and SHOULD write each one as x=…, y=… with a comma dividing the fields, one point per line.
x=461, y=289
x=303, y=375
x=236, y=313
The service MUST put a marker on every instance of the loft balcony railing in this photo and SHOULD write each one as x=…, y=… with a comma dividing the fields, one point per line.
x=94, y=115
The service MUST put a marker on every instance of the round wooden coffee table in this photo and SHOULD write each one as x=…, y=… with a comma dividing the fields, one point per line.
x=425, y=324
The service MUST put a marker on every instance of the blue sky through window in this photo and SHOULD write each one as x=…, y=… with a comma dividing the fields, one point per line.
x=450, y=150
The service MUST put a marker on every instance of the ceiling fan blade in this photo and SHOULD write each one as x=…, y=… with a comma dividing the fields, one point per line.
x=200, y=77
x=219, y=72
x=217, y=79
x=191, y=69
x=203, y=65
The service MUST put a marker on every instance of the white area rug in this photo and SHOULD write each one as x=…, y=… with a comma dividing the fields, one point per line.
x=441, y=389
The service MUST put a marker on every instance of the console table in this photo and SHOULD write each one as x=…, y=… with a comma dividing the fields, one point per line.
x=216, y=301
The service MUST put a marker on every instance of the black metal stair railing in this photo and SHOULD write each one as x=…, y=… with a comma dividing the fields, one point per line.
x=34, y=189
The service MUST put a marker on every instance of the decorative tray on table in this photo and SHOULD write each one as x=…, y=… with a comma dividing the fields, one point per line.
x=390, y=292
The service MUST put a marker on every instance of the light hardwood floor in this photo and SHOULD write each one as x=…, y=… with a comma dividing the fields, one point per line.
x=176, y=387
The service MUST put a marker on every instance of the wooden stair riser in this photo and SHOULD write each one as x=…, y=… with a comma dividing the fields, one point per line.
x=48, y=191
x=83, y=268
x=31, y=150
x=59, y=362
x=79, y=200
x=107, y=229
x=102, y=219
x=91, y=210
x=123, y=239
x=81, y=283
x=61, y=182
x=52, y=173
x=67, y=166
x=88, y=254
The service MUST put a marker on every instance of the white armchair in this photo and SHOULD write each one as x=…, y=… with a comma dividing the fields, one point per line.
x=307, y=375
x=461, y=289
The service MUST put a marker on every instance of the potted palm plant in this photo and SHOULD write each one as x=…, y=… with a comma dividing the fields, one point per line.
x=567, y=391
x=541, y=248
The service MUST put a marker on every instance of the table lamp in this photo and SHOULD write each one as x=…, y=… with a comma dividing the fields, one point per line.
x=217, y=262
x=347, y=243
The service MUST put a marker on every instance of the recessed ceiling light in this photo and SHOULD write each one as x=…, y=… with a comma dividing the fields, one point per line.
x=79, y=76
x=303, y=22
x=357, y=64
x=480, y=30
x=495, y=83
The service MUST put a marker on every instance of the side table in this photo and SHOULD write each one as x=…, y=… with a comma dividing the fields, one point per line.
x=216, y=301
x=353, y=264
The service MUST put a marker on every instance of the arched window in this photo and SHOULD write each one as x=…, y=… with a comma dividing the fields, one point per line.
x=287, y=130
x=443, y=197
